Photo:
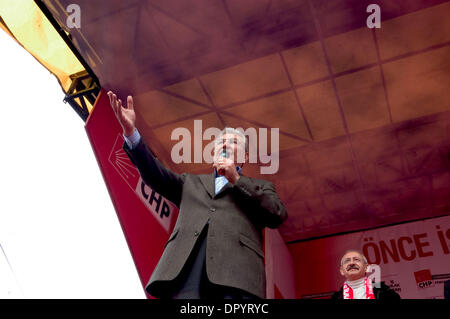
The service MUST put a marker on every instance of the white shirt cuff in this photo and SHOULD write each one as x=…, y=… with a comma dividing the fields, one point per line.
x=133, y=139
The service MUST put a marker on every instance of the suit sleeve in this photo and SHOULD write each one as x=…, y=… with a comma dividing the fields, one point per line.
x=263, y=198
x=167, y=183
x=387, y=293
x=337, y=295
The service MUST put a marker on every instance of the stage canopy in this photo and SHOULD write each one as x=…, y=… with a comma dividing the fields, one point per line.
x=26, y=22
x=363, y=114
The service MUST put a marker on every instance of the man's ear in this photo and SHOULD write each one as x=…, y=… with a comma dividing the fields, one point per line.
x=365, y=267
x=341, y=270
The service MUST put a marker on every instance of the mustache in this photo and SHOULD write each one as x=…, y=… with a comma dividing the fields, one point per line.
x=352, y=267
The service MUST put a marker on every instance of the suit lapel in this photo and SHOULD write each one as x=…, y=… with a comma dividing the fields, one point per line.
x=208, y=181
x=224, y=189
x=209, y=184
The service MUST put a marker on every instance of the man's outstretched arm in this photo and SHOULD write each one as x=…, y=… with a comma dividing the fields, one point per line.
x=153, y=172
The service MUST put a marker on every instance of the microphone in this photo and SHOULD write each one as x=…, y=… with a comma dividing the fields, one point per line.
x=224, y=154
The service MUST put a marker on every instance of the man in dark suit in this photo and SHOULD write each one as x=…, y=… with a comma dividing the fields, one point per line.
x=214, y=250
x=357, y=285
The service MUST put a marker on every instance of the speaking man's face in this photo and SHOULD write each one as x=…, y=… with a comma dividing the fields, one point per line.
x=353, y=266
x=233, y=145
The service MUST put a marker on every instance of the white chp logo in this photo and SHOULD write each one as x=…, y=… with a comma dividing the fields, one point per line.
x=159, y=207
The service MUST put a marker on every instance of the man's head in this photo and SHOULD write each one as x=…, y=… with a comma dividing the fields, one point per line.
x=234, y=143
x=353, y=265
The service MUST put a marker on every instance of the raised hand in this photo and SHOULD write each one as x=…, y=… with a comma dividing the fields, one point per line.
x=125, y=115
x=227, y=168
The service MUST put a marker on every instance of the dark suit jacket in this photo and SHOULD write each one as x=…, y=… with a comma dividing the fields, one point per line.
x=382, y=293
x=447, y=289
x=236, y=216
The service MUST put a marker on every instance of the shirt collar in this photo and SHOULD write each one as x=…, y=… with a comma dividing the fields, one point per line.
x=356, y=283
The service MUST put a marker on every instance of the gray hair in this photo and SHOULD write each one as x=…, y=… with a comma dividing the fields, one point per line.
x=230, y=130
x=355, y=251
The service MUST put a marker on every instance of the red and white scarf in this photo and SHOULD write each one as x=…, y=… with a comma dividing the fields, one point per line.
x=348, y=291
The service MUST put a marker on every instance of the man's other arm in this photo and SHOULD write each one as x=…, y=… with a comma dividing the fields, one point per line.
x=263, y=198
x=167, y=183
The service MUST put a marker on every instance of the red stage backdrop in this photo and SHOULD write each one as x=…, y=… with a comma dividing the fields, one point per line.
x=147, y=218
x=414, y=259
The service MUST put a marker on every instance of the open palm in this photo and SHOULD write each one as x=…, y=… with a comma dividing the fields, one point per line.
x=125, y=115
